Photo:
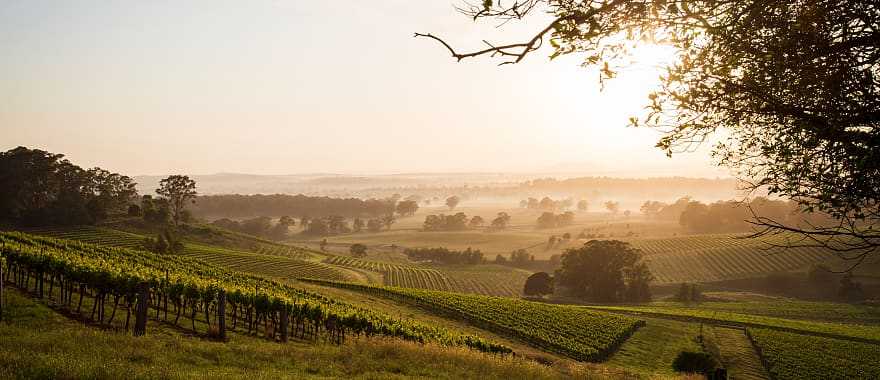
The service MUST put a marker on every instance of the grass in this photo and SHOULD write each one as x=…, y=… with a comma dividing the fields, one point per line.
x=40, y=344
x=737, y=353
x=652, y=348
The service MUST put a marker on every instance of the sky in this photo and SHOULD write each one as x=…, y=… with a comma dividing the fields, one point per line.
x=288, y=87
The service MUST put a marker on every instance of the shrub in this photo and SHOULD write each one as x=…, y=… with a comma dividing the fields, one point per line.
x=694, y=362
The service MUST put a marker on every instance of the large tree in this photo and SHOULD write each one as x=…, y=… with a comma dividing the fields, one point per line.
x=794, y=85
x=605, y=271
x=40, y=188
x=178, y=190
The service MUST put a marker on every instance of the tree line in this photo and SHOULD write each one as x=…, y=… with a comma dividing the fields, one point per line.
x=276, y=205
x=42, y=188
x=443, y=255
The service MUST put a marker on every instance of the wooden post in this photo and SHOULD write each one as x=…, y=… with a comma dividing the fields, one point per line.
x=284, y=321
x=221, y=315
x=140, y=321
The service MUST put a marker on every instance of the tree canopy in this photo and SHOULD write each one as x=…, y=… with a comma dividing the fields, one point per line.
x=40, y=188
x=605, y=271
x=794, y=85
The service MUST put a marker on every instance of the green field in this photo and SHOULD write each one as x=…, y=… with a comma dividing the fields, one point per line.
x=569, y=330
x=40, y=343
x=794, y=356
x=695, y=313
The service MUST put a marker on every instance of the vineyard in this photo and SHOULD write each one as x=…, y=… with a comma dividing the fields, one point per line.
x=794, y=356
x=573, y=331
x=486, y=280
x=280, y=262
x=144, y=281
x=705, y=258
x=866, y=333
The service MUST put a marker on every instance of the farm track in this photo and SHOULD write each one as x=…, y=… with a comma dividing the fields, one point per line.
x=738, y=354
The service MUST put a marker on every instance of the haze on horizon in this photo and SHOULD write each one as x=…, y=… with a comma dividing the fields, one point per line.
x=285, y=87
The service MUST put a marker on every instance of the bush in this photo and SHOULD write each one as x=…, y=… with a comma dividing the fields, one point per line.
x=694, y=362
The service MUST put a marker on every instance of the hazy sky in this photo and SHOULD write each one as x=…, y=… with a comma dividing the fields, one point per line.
x=281, y=87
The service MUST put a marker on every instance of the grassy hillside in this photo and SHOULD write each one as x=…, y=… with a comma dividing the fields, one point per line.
x=39, y=343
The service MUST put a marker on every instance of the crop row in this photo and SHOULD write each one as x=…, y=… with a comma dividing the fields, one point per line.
x=494, y=283
x=133, y=274
x=866, y=333
x=794, y=356
x=576, y=332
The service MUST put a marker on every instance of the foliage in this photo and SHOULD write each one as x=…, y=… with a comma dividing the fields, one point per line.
x=795, y=356
x=500, y=222
x=42, y=188
x=569, y=330
x=166, y=242
x=293, y=205
x=407, y=208
x=605, y=271
x=178, y=190
x=358, y=250
x=688, y=292
x=442, y=222
x=453, y=201
x=694, y=362
x=539, y=284
x=550, y=220
x=121, y=272
x=445, y=256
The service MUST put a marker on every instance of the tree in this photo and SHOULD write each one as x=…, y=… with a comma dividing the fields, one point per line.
x=603, y=271
x=793, y=84
x=583, y=205
x=501, y=221
x=520, y=257
x=357, y=225
x=42, y=188
x=374, y=225
x=178, y=190
x=452, y=202
x=388, y=220
x=538, y=284
x=358, y=250
x=651, y=208
x=546, y=220
x=476, y=222
x=612, y=207
x=407, y=208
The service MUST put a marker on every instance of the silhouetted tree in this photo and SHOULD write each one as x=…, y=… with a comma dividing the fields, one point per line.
x=452, y=202
x=602, y=271
x=407, y=208
x=538, y=284
x=476, y=222
x=358, y=250
x=583, y=205
x=500, y=222
x=178, y=190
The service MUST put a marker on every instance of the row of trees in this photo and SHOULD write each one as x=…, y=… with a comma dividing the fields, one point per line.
x=460, y=221
x=728, y=216
x=550, y=220
x=262, y=226
x=298, y=206
x=42, y=188
x=443, y=255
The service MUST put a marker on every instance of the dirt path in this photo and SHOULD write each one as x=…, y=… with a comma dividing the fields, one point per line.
x=738, y=355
